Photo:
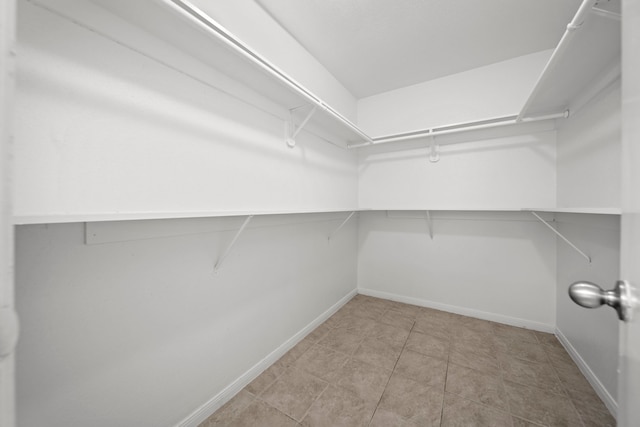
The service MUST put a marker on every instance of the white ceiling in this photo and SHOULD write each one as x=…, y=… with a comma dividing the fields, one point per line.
x=373, y=46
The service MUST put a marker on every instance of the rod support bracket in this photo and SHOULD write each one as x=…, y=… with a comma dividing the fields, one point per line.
x=291, y=130
x=434, y=150
x=430, y=224
x=230, y=246
x=567, y=241
x=341, y=225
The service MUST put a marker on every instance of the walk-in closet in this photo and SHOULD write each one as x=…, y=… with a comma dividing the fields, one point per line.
x=320, y=213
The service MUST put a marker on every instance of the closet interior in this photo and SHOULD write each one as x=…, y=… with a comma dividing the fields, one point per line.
x=195, y=193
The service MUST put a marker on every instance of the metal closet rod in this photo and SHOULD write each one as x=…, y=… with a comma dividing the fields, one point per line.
x=562, y=46
x=462, y=127
x=226, y=37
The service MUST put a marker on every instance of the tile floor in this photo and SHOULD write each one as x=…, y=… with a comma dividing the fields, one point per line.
x=382, y=363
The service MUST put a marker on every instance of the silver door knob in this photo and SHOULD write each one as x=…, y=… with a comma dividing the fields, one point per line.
x=590, y=295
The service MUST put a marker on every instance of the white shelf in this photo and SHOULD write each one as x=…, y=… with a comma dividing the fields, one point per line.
x=448, y=209
x=194, y=33
x=133, y=216
x=596, y=211
x=586, y=61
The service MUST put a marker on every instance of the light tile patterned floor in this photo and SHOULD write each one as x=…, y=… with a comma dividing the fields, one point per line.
x=382, y=363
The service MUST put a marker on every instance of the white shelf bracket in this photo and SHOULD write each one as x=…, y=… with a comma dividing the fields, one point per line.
x=291, y=130
x=434, y=150
x=341, y=225
x=233, y=242
x=587, y=257
x=429, y=224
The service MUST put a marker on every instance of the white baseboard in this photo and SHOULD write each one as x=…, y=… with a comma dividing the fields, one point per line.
x=205, y=411
x=507, y=320
x=606, y=397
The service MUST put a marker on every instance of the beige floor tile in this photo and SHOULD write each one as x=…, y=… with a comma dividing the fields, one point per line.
x=343, y=340
x=383, y=418
x=436, y=327
x=414, y=402
x=525, y=350
x=358, y=324
x=474, y=344
x=365, y=355
x=597, y=419
x=558, y=355
x=365, y=380
x=432, y=313
x=389, y=334
x=461, y=412
x=591, y=409
x=294, y=392
x=464, y=332
x=477, y=325
x=519, y=422
x=361, y=297
x=320, y=332
x=337, y=407
x=230, y=410
x=378, y=353
x=428, y=345
x=261, y=414
x=485, y=364
x=541, y=375
x=397, y=319
x=298, y=350
x=540, y=406
x=408, y=310
x=369, y=309
x=334, y=320
x=424, y=369
x=476, y=386
x=514, y=332
x=571, y=377
x=549, y=340
x=322, y=362
x=266, y=378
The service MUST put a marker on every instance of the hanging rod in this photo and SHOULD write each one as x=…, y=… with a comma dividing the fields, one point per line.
x=588, y=258
x=226, y=37
x=574, y=25
x=460, y=127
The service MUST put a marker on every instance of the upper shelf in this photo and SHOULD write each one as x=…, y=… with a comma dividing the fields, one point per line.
x=595, y=211
x=586, y=60
x=184, y=26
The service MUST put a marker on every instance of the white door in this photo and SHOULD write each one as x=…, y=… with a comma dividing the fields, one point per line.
x=629, y=372
x=8, y=323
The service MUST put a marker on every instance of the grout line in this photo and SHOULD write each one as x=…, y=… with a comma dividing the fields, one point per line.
x=450, y=328
x=564, y=387
x=392, y=371
x=312, y=403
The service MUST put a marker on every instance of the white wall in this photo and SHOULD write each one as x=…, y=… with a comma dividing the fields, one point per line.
x=496, y=169
x=589, y=154
x=509, y=172
x=103, y=129
x=592, y=333
x=139, y=331
x=495, y=90
x=589, y=159
x=498, y=266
